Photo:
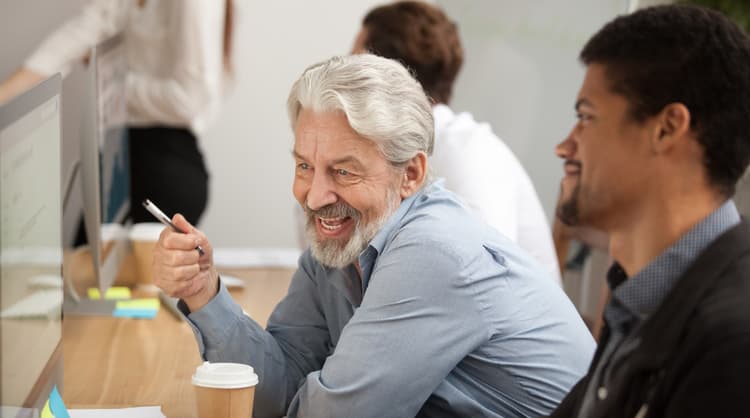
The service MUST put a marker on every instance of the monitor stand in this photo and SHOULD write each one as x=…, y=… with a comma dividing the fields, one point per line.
x=74, y=305
x=88, y=307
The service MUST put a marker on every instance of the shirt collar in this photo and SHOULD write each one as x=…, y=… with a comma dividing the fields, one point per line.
x=639, y=296
x=368, y=256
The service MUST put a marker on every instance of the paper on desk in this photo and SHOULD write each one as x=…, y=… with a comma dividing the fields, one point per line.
x=256, y=257
x=138, y=412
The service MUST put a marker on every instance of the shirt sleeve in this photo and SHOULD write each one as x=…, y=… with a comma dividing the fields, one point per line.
x=99, y=20
x=183, y=91
x=295, y=343
x=418, y=320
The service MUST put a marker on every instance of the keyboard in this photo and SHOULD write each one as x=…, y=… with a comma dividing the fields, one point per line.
x=43, y=303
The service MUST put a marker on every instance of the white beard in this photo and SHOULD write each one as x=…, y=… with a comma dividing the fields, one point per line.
x=334, y=253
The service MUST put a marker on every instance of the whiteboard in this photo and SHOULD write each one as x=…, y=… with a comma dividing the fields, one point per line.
x=521, y=73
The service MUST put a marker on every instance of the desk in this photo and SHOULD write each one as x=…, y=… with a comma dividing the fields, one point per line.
x=117, y=362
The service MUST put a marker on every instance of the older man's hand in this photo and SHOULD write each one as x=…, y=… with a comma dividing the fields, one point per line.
x=180, y=270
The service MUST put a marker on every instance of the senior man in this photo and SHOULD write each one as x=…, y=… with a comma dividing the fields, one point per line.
x=405, y=304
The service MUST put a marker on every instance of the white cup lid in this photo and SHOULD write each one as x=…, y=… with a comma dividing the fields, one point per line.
x=224, y=375
x=146, y=231
x=113, y=231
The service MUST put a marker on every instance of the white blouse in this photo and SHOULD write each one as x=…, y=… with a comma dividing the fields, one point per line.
x=174, y=52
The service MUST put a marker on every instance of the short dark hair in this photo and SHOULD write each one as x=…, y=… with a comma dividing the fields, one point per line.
x=422, y=38
x=690, y=55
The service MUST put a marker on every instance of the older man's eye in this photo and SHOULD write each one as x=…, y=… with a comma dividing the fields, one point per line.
x=303, y=166
x=342, y=172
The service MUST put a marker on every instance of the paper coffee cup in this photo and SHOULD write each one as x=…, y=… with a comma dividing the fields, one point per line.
x=144, y=236
x=225, y=390
x=111, y=233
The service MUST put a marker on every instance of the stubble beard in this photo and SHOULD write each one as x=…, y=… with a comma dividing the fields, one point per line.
x=568, y=211
x=339, y=253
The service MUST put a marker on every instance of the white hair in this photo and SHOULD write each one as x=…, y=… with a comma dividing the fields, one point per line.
x=380, y=98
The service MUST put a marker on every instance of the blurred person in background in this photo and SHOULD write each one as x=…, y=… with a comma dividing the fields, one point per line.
x=178, y=54
x=477, y=165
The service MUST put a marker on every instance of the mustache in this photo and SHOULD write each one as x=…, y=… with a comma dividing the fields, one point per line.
x=335, y=210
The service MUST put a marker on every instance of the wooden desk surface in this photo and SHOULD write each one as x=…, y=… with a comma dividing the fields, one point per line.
x=117, y=362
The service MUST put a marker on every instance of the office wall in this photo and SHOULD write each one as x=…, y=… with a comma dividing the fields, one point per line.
x=23, y=24
x=249, y=148
x=521, y=73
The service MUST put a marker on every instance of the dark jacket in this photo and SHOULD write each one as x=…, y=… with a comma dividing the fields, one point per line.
x=694, y=354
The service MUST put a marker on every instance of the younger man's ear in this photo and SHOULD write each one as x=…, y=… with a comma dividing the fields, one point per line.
x=673, y=123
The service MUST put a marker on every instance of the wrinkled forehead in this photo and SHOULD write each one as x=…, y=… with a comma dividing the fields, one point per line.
x=327, y=136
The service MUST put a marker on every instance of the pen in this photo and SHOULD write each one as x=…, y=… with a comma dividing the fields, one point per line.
x=158, y=214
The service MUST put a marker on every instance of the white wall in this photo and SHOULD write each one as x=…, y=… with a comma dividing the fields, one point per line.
x=23, y=24
x=249, y=148
x=521, y=75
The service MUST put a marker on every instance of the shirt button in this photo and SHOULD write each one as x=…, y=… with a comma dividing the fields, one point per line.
x=601, y=393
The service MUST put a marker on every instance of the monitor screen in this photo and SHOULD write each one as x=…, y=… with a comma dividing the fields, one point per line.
x=105, y=160
x=30, y=249
x=111, y=68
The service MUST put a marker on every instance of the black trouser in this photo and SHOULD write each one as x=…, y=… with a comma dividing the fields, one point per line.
x=167, y=167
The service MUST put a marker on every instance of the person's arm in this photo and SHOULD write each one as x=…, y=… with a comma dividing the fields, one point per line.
x=18, y=82
x=99, y=20
x=295, y=343
x=568, y=407
x=194, y=74
x=419, y=318
x=297, y=339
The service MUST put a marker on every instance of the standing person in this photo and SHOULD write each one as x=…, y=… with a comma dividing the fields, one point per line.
x=661, y=139
x=177, y=53
x=476, y=164
x=406, y=304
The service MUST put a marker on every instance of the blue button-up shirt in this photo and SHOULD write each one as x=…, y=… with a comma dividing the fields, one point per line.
x=449, y=319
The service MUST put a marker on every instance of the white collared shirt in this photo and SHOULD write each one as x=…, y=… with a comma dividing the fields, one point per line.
x=481, y=169
x=174, y=49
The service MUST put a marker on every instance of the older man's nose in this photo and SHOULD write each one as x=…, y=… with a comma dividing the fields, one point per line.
x=321, y=192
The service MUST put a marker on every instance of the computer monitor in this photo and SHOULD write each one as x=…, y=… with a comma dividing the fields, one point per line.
x=105, y=170
x=31, y=249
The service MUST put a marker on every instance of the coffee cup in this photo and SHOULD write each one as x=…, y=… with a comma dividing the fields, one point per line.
x=224, y=390
x=143, y=237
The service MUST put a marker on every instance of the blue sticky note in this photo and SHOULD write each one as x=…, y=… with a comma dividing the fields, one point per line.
x=135, y=313
x=56, y=405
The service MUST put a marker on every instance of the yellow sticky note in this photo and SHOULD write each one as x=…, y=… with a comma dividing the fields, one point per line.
x=146, y=303
x=116, y=292
x=46, y=411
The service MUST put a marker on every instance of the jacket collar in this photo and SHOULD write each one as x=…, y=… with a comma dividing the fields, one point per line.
x=661, y=334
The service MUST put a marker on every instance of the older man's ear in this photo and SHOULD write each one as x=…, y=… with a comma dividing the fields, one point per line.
x=414, y=176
